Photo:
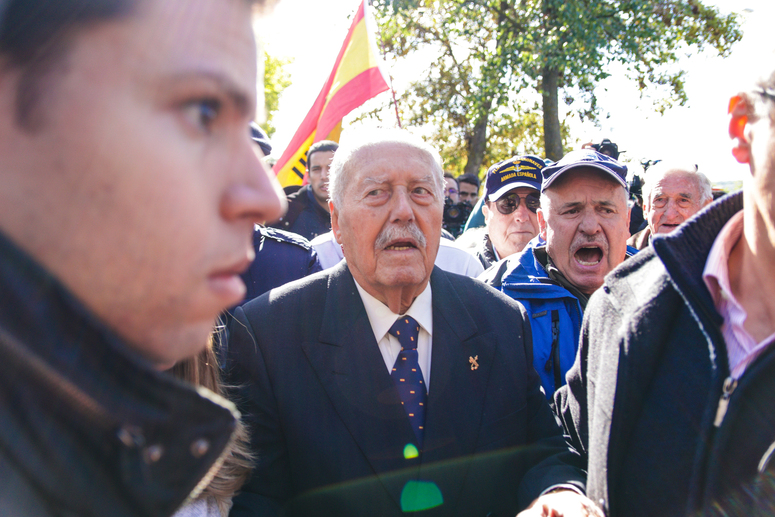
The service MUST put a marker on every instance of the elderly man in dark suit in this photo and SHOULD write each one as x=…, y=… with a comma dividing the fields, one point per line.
x=385, y=385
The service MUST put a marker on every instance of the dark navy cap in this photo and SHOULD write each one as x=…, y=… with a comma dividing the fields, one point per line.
x=259, y=137
x=585, y=158
x=517, y=171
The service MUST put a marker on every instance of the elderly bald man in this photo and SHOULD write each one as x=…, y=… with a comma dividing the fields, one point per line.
x=385, y=385
x=672, y=194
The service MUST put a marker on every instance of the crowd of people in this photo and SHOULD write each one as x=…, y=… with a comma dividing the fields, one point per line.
x=181, y=337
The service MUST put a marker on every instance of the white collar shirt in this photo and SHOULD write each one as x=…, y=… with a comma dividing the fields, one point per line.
x=382, y=318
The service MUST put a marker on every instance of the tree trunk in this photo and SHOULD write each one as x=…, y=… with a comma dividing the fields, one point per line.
x=477, y=144
x=552, y=135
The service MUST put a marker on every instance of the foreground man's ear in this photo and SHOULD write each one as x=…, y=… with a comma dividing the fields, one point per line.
x=739, y=110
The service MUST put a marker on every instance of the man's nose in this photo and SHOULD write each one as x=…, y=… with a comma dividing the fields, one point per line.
x=522, y=213
x=254, y=193
x=672, y=213
x=590, y=223
x=401, y=209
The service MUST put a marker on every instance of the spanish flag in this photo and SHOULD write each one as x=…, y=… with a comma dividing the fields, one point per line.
x=357, y=77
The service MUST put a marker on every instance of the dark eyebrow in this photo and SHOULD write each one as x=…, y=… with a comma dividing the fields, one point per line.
x=241, y=100
x=578, y=204
x=574, y=204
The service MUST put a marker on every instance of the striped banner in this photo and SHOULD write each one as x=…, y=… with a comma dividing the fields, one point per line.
x=357, y=77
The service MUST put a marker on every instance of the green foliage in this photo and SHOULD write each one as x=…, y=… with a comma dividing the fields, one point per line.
x=465, y=84
x=276, y=79
x=489, y=58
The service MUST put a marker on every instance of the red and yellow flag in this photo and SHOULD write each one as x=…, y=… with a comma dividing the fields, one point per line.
x=357, y=77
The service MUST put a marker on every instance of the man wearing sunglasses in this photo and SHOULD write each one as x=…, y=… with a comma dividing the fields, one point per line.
x=513, y=190
x=584, y=219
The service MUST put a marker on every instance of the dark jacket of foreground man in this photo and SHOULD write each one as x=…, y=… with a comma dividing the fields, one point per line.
x=86, y=427
x=328, y=426
x=645, y=391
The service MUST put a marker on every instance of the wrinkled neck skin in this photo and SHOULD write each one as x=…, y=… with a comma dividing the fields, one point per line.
x=398, y=298
x=751, y=270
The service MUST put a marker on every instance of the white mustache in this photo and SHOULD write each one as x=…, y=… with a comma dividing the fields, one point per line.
x=395, y=233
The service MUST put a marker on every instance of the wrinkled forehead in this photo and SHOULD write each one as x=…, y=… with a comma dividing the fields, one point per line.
x=393, y=161
x=570, y=187
x=676, y=181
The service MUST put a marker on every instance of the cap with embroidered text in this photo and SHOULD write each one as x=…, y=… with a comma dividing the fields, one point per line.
x=517, y=171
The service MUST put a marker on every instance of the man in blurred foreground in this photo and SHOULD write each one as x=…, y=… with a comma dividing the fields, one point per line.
x=129, y=187
x=672, y=396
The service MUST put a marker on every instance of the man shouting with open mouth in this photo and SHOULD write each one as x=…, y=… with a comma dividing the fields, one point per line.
x=584, y=220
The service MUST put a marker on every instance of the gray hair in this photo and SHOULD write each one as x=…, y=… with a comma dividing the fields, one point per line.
x=663, y=169
x=343, y=163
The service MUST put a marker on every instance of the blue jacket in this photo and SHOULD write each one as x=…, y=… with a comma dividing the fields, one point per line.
x=281, y=257
x=555, y=313
x=304, y=216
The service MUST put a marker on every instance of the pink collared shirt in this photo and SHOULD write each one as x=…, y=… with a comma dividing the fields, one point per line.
x=741, y=347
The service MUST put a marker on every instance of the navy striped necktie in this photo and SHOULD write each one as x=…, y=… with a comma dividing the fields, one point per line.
x=407, y=374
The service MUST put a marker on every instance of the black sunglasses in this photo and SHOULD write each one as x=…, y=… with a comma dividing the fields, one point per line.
x=510, y=202
x=766, y=92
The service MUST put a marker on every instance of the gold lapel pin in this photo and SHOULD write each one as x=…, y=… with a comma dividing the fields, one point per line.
x=472, y=360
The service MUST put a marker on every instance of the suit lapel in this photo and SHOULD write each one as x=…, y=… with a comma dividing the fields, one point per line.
x=456, y=394
x=352, y=371
x=350, y=368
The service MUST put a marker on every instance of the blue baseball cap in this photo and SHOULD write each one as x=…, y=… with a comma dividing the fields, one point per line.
x=517, y=171
x=585, y=158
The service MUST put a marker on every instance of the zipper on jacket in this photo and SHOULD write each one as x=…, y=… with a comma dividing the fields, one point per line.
x=554, y=355
x=730, y=384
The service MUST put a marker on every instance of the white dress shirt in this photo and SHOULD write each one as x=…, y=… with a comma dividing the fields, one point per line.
x=382, y=318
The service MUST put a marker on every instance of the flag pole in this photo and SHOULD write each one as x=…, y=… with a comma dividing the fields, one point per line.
x=355, y=78
x=395, y=102
x=390, y=76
